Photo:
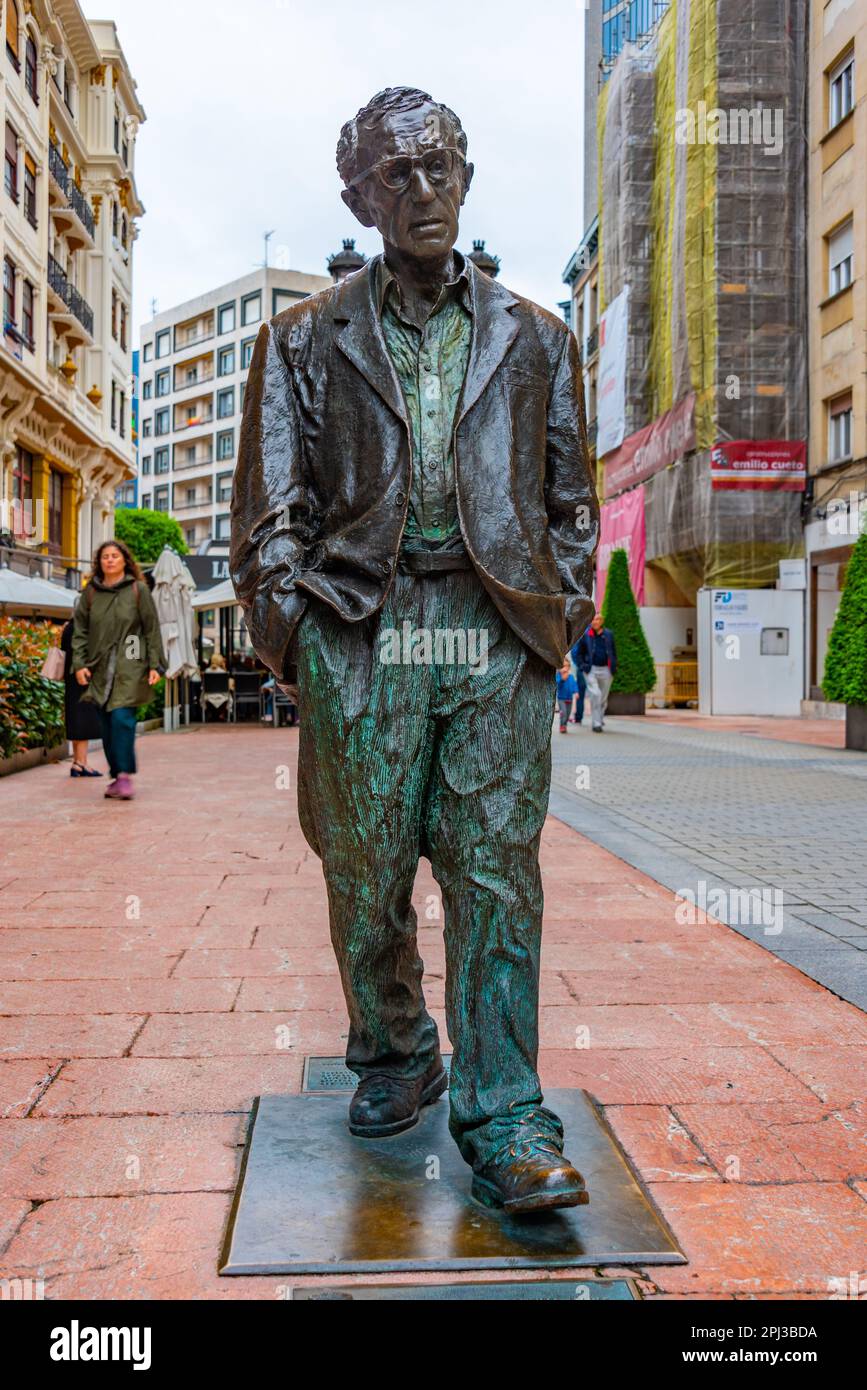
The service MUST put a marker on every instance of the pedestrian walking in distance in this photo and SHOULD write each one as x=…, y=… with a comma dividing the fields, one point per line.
x=566, y=690
x=597, y=658
x=580, y=683
x=117, y=655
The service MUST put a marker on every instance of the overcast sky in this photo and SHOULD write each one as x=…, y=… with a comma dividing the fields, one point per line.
x=245, y=101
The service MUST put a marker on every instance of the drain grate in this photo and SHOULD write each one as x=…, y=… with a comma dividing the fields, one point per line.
x=332, y=1074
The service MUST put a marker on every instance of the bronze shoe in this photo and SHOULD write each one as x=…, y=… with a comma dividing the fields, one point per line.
x=529, y=1176
x=385, y=1104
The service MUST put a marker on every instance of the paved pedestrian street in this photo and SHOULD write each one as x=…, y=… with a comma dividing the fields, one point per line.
x=165, y=961
x=696, y=802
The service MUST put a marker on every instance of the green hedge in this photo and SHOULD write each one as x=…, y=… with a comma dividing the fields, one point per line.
x=845, y=678
x=146, y=532
x=31, y=709
x=636, y=672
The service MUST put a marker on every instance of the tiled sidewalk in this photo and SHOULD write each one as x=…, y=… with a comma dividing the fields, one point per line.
x=151, y=954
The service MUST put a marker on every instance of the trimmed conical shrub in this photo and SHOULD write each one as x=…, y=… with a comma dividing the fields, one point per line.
x=845, y=678
x=636, y=672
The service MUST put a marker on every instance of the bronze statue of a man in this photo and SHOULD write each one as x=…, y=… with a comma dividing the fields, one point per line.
x=413, y=528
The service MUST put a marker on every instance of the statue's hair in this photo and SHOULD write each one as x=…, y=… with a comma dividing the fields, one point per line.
x=392, y=99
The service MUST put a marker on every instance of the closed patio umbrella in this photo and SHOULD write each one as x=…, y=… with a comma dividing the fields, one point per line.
x=21, y=595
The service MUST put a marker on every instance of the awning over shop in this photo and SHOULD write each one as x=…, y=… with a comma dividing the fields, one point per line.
x=218, y=596
x=22, y=595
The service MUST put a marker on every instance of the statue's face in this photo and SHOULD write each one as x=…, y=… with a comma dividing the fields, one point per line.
x=412, y=182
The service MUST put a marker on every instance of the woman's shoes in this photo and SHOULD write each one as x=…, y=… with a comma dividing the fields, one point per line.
x=78, y=771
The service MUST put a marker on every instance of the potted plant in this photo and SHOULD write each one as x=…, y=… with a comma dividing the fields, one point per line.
x=636, y=671
x=31, y=709
x=845, y=678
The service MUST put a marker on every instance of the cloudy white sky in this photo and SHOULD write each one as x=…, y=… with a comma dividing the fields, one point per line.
x=245, y=101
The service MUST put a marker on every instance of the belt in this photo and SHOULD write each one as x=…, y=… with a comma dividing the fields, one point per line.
x=432, y=561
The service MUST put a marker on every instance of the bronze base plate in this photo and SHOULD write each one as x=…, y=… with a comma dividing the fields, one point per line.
x=313, y=1199
x=531, y=1291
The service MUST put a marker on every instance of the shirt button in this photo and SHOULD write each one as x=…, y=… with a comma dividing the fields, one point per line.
x=400, y=498
x=431, y=414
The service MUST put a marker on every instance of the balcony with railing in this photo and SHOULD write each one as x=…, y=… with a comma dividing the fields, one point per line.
x=68, y=305
x=198, y=453
x=194, y=331
x=70, y=209
x=195, y=371
x=592, y=343
x=191, y=414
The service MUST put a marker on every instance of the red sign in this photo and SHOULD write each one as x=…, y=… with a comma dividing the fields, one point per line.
x=621, y=527
x=779, y=465
x=653, y=448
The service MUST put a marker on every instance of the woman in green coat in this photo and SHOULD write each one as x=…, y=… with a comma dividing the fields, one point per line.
x=117, y=654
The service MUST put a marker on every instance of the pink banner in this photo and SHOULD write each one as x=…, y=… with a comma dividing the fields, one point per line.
x=622, y=528
x=778, y=465
x=653, y=448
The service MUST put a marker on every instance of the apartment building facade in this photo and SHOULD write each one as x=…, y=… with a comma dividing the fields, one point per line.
x=68, y=215
x=837, y=288
x=194, y=361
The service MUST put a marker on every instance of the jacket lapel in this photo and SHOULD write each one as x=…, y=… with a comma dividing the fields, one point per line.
x=362, y=339
x=494, y=330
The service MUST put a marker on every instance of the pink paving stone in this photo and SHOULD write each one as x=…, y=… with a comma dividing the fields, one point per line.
x=169, y=1086
x=242, y=1034
x=836, y=1074
x=632, y=1025
x=814, y=1019
x=659, y=1076
x=21, y=1083
x=169, y=939
x=659, y=984
x=760, y=1240
x=657, y=1144
x=303, y=960
x=12, y=1213
x=781, y=1141
x=68, y=1035
x=84, y=965
x=117, y=996
x=43, y=1159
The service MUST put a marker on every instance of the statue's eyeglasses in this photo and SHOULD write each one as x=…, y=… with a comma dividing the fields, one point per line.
x=396, y=173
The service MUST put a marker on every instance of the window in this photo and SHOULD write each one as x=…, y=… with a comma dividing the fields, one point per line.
x=191, y=496
x=30, y=189
x=161, y=421
x=841, y=90
x=123, y=327
x=243, y=389
x=147, y=389
x=117, y=130
x=164, y=343
x=146, y=464
x=247, y=352
x=22, y=492
x=281, y=299
x=27, y=313
x=226, y=361
x=113, y=406
x=161, y=499
x=224, y=487
x=31, y=82
x=114, y=314
x=226, y=318
x=226, y=444
x=840, y=428
x=161, y=460
x=55, y=509
x=190, y=453
x=115, y=218
x=251, y=308
x=12, y=34
x=225, y=403
x=148, y=352
x=840, y=259
x=11, y=163
x=125, y=152
x=8, y=292
x=67, y=89
x=223, y=530
x=124, y=231
x=163, y=383
x=147, y=428
x=146, y=501
x=123, y=414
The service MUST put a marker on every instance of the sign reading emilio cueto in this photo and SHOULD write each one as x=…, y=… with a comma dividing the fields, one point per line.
x=778, y=465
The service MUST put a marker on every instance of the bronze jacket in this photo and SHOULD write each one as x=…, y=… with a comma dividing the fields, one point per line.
x=322, y=485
